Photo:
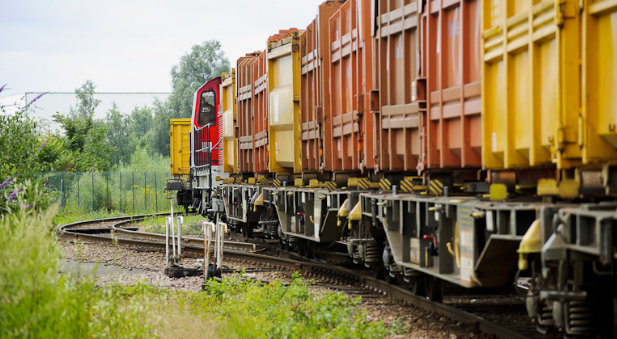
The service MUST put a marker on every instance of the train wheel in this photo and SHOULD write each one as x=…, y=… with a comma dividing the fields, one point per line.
x=434, y=288
x=418, y=286
x=379, y=270
x=388, y=278
x=301, y=247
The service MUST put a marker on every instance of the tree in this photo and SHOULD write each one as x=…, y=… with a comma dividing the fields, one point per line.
x=140, y=121
x=85, y=140
x=202, y=63
x=118, y=135
x=79, y=120
x=87, y=103
x=158, y=138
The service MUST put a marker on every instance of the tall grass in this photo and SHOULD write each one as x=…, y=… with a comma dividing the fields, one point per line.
x=37, y=302
x=248, y=309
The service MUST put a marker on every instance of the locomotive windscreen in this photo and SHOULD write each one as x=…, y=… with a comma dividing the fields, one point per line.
x=207, y=109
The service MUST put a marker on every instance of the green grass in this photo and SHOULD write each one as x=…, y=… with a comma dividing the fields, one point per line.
x=192, y=225
x=63, y=219
x=37, y=302
x=248, y=309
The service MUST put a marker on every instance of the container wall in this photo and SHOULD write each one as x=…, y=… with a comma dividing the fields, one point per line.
x=284, y=103
x=246, y=143
x=599, y=137
x=180, y=142
x=228, y=99
x=260, y=114
x=350, y=147
x=398, y=67
x=315, y=89
x=451, y=65
x=531, y=93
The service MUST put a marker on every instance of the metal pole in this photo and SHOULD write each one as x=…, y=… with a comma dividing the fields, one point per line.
x=107, y=200
x=133, y=188
x=78, y=201
x=173, y=235
x=145, y=189
x=179, y=221
x=167, y=241
x=63, y=200
x=156, y=194
x=92, y=190
x=121, y=194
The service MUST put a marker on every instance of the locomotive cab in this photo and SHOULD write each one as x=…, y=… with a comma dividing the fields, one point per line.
x=206, y=144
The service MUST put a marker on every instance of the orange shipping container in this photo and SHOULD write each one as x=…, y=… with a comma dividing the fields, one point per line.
x=400, y=90
x=451, y=64
x=260, y=114
x=350, y=146
x=245, y=108
x=315, y=88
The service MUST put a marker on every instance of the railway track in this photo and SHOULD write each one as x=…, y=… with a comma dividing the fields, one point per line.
x=270, y=257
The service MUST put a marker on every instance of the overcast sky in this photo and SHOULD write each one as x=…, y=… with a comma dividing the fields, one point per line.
x=128, y=45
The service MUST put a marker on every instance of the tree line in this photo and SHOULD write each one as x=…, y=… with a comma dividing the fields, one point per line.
x=90, y=144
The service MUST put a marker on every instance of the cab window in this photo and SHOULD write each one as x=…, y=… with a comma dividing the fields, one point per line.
x=207, y=109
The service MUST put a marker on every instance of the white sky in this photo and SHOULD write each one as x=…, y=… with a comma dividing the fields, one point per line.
x=128, y=45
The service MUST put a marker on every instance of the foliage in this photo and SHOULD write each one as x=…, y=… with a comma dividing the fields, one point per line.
x=84, y=137
x=140, y=121
x=129, y=192
x=24, y=153
x=87, y=103
x=119, y=135
x=143, y=159
x=68, y=218
x=248, y=309
x=20, y=147
x=191, y=226
x=37, y=302
x=158, y=140
x=202, y=63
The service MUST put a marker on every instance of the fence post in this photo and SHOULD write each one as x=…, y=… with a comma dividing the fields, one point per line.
x=133, y=187
x=121, y=194
x=145, y=190
x=63, y=200
x=92, y=190
x=156, y=194
x=78, y=200
x=107, y=202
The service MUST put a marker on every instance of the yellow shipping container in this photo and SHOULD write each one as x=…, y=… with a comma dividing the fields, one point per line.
x=549, y=83
x=284, y=106
x=230, y=149
x=599, y=113
x=180, y=146
x=531, y=83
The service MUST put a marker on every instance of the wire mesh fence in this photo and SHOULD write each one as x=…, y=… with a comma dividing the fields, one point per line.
x=129, y=192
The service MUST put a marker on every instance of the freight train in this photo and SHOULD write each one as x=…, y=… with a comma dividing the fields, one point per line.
x=461, y=141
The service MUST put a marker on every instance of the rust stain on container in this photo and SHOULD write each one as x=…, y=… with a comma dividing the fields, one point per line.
x=245, y=108
x=401, y=87
x=451, y=65
x=349, y=126
x=315, y=89
x=260, y=114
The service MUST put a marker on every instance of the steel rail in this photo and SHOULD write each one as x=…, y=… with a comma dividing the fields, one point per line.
x=187, y=241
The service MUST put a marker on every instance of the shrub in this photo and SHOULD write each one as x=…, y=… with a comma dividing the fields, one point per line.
x=37, y=302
